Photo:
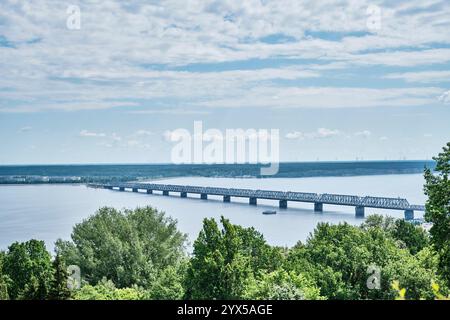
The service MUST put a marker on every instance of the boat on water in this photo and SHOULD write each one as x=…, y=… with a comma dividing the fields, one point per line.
x=269, y=212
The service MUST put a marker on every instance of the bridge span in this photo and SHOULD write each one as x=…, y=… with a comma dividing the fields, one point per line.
x=281, y=196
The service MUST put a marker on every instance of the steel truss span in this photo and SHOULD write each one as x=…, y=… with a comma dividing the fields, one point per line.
x=325, y=198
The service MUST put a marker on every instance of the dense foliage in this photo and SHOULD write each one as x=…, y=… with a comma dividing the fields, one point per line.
x=3, y=280
x=106, y=290
x=407, y=235
x=224, y=261
x=129, y=248
x=232, y=262
x=437, y=188
x=340, y=258
x=58, y=286
x=29, y=268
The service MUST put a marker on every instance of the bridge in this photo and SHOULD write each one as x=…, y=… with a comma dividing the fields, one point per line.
x=281, y=196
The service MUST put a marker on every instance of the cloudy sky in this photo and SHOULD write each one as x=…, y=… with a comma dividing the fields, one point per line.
x=341, y=80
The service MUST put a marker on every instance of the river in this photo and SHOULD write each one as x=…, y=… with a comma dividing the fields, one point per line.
x=48, y=212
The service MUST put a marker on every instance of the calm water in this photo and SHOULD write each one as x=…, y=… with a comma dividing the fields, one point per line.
x=48, y=212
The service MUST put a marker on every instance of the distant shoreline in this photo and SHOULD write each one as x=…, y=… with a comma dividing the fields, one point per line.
x=81, y=174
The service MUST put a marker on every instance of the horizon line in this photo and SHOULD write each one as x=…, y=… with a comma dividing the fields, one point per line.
x=203, y=164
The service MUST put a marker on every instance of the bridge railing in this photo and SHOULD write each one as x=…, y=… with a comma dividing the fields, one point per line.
x=388, y=203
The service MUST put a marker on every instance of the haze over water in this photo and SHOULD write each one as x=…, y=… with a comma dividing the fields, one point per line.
x=48, y=212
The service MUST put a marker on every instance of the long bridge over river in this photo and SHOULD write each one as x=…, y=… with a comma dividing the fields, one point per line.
x=281, y=196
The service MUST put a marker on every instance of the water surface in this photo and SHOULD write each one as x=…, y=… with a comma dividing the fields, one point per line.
x=48, y=212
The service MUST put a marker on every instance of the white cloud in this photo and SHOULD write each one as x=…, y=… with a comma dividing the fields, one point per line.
x=168, y=136
x=325, y=133
x=143, y=132
x=295, y=135
x=422, y=77
x=326, y=97
x=114, y=140
x=179, y=112
x=445, y=97
x=320, y=133
x=132, y=143
x=114, y=60
x=364, y=134
x=86, y=133
x=384, y=138
x=25, y=129
x=399, y=58
x=115, y=137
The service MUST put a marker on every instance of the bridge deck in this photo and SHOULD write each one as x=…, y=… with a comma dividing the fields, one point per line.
x=325, y=198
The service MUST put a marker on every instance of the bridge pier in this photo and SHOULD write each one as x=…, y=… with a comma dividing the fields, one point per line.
x=252, y=201
x=204, y=196
x=183, y=194
x=149, y=191
x=108, y=187
x=165, y=193
x=121, y=189
x=359, y=211
x=318, y=206
x=283, y=204
x=226, y=198
x=135, y=190
x=409, y=214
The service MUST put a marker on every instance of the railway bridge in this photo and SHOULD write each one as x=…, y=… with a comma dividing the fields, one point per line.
x=283, y=197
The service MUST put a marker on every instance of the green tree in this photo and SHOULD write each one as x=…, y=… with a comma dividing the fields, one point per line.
x=3, y=280
x=385, y=223
x=338, y=257
x=224, y=261
x=169, y=283
x=58, y=287
x=437, y=188
x=411, y=236
x=29, y=267
x=414, y=237
x=106, y=290
x=128, y=247
x=282, y=285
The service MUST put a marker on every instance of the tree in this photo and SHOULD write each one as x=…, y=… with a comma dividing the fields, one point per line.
x=339, y=257
x=58, y=287
x=106, y=290
x=414, y=237
x=282, y=285
x=385, y=223
x=411, y=236
x=3, y=280
x=169, y=283
x=218, y=268
x=29, y=267
x=224, y=261
x=437, y=188
x=129, y=247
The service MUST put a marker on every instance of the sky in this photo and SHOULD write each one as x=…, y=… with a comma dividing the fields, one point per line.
x=108, y=81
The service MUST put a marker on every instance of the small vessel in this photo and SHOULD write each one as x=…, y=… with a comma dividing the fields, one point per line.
x=269, y=212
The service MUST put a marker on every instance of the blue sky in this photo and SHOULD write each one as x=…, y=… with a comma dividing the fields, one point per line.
x=341, y=80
